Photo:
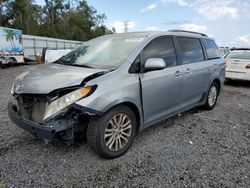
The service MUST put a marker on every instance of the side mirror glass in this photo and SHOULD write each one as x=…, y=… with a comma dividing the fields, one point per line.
x=155, y=64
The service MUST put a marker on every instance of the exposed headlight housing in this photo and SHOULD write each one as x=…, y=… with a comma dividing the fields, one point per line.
x=59, y=104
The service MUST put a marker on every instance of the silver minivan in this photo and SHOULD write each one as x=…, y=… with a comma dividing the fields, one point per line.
x=112, y=87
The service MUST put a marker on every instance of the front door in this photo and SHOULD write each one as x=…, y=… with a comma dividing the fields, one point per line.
x=162, y=89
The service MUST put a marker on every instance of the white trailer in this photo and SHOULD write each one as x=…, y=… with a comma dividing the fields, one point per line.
x=14, y=46
x=11, y=49
x=34, y=45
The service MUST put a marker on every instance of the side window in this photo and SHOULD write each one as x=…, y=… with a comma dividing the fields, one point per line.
x=190, y=50
x=211, y=48
x=162, y=47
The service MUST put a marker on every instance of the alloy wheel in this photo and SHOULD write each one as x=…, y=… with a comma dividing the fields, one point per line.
x=212, y=96
x=118, y=132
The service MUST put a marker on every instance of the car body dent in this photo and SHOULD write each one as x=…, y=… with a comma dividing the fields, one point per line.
x=108, y=95
x=45, y=78
x=59, y=127
x=219, y=71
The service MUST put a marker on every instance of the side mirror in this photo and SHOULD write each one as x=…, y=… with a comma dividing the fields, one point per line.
x=155, y=64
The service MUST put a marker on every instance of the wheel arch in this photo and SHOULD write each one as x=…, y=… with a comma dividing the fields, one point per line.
x=136, y=111
x=13, y=59
x=217, y=81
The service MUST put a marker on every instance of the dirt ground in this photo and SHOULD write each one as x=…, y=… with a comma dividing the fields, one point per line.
x=198, y=149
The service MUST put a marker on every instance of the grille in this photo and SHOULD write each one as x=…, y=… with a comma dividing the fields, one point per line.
x=32, y=107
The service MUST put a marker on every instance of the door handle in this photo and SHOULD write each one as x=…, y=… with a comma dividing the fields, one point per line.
x=178, y=73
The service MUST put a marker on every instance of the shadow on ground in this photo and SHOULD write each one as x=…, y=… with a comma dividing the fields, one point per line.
x=238, y=83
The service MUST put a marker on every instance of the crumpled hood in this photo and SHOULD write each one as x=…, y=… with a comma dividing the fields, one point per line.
x=43, y=79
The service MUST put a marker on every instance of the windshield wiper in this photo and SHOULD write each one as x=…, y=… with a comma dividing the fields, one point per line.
x=69, y=63
x=59, y=61
x=85, y=66
x=77, y=65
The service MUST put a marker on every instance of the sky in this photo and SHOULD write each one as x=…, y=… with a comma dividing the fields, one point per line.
x=227, y=21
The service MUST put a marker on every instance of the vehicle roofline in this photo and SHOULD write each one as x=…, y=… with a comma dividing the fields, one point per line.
x=162, y=33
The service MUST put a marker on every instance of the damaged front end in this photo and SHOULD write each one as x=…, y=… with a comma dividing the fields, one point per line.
x=53, y=116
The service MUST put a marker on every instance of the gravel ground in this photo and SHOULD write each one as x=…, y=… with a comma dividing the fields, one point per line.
x=198, y=149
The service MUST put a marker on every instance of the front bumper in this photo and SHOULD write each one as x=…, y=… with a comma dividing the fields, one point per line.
x=61, y=127
x=42, y=131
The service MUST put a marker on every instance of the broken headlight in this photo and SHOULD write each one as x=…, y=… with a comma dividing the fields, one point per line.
x=66, y=100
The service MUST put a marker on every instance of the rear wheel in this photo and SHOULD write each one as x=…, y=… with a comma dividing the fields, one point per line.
x=11, y=62
x=1, y=65
x=112, y=134
x=212, y=96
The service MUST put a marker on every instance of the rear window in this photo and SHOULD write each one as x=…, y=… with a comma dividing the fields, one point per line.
x=190, y=50
x=239, y=55
x=211, y=48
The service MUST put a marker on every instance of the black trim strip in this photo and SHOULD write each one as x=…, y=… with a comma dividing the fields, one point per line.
x=89, y=111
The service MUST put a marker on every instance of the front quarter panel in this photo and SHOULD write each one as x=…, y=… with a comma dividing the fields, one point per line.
x=114, y=88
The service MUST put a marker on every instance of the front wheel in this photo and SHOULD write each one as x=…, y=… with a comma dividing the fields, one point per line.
x=212, y=96
x=111, y=135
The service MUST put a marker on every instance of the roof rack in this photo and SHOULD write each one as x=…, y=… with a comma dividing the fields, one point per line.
x=179, y=30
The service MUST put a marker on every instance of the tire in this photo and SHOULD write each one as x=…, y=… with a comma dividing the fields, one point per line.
x=99, y=127
x=212, y=96
x=2, y=65
x=11, y=62
x=43, y=54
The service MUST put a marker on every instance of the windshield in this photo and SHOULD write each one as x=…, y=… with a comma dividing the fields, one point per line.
x=239, y=55
x=102, y=53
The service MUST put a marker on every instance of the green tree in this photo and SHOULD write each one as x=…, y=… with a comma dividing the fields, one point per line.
x=65, y=19
x=5, y=14
x=74, y=20
x=26, y=16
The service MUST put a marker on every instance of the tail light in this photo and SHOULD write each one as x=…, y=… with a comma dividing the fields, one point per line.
x=225, y=61
x=248, y=66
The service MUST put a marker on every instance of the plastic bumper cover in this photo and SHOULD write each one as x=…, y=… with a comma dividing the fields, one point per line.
x=52, y=129
x=29, y=126
x=237, y=75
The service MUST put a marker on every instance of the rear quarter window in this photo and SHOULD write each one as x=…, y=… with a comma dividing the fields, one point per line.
x=212, y=49
x=190, y=50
